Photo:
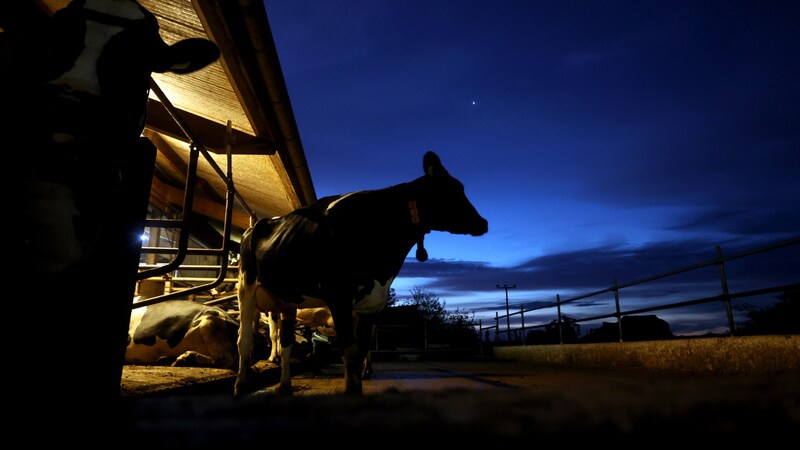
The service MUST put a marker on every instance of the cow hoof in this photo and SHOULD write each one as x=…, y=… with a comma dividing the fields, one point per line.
x=240, y=389
x=283, y=389
x=237, y=391
x=353, y=390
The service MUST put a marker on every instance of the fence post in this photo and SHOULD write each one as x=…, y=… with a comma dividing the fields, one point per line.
x=616, y=303
x=726, y=298
x=496, y=327
x=425, y=334
x=558, y=306
x=480, y=337
x=522, y=315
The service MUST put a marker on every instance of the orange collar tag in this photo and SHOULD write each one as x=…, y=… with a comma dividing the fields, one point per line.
x=412, y=206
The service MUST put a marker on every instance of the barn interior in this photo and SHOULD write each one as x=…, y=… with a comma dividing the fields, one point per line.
x=229, y=150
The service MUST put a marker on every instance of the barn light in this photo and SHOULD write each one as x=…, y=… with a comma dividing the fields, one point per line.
x=144, y=237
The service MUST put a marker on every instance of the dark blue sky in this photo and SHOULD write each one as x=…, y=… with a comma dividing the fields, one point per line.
x=599, y=138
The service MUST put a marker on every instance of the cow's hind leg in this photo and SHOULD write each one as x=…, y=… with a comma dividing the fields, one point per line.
x=288, y=321
x=247, y=323
x=274, y=321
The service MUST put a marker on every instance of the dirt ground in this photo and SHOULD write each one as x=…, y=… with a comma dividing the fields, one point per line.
x=461, y=402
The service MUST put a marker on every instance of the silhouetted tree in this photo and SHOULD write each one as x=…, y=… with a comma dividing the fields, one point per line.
x=430, y=307
x=455, y=328
x=569, y=332
x=781, y=318
x=461, y=327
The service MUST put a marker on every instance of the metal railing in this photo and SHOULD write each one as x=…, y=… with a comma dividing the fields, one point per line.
x=183, y=224
x=725, y=297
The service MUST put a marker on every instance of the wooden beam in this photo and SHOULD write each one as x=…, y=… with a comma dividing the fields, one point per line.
x=162, y=192
x=209, y=133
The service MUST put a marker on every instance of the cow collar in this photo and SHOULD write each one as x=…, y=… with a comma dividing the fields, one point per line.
x=422, y=254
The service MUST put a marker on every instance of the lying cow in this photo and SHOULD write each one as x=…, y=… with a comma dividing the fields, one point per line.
x=185, y=333
x=343, y=252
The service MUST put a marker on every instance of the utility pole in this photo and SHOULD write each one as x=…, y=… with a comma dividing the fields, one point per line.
x=508, y=312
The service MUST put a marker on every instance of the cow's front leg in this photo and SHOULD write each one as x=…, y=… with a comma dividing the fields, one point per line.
x=353, y=369
x=288, y=321
x=365, y=332
x=365, y=336
x=345, y=333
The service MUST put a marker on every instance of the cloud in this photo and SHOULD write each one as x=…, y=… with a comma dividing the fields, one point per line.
x=591, y=269
x=769, y=221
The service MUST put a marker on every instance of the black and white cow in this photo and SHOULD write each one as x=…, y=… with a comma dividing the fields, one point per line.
x=184, y=333
x=344, y=252
x=89, y=88
x=75, y=91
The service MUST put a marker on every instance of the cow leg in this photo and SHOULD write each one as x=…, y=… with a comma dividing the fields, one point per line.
x=274, y=320
x=368, y=371
x=345, y=333
x=247, y=317
x=288, y=321
x=195, y=359
x=364, y=334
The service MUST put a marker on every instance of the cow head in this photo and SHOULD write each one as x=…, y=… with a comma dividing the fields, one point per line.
x=97, y=69
x=86, y=81
x=444, y=206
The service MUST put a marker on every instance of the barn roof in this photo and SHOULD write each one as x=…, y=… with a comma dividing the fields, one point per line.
x=246, y=87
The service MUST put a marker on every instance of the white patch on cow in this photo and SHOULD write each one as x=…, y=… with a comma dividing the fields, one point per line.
x=83, y=74
x=333, y=203
x=375, y=301
x=136, y=319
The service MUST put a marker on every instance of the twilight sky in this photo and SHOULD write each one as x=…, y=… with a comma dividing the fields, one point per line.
x=600, y=139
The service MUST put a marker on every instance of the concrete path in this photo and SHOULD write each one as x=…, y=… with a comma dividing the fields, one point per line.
x=490, y=401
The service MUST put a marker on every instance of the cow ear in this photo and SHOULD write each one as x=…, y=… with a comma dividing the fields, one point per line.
x=189, y=55
x=432, y=165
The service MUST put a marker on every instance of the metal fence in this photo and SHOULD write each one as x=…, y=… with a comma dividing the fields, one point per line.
x=515, y=335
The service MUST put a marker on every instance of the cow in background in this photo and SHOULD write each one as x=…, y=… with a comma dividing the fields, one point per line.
x=319, y=321
x=316, y=319
x=343, y=252
x=75, y=92
x=184, y=333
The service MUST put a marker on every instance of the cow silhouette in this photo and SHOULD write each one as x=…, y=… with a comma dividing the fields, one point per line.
x=343, y=252
x=76, y=86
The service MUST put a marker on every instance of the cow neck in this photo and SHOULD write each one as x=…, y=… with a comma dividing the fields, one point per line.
x=417, y=224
